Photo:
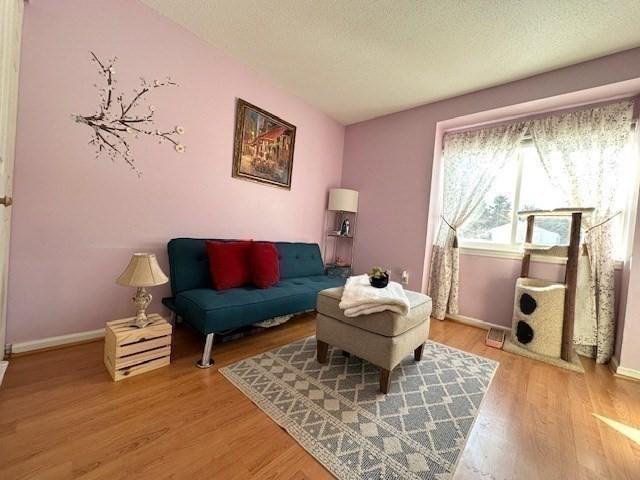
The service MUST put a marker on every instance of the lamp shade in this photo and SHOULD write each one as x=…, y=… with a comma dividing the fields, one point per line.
x=343, y=200
x=143, y=271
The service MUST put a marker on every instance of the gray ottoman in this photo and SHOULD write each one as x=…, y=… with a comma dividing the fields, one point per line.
x=383, y=338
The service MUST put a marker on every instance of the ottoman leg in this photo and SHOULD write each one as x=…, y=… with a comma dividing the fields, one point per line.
x=323, y=348
x=385, y=377
x=417, y=353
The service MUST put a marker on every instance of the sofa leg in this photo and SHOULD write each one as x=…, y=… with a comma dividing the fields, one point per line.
x=322, y=350
x=417, y=353
x=206, y=361
x=385, y=380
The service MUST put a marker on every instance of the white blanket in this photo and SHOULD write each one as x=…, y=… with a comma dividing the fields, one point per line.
x=360, y=298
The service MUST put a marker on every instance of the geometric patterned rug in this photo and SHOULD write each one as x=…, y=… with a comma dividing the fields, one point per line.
x=335, y=411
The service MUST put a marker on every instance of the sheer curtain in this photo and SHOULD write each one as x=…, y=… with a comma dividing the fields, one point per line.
x=583, y=153
x=471, y=162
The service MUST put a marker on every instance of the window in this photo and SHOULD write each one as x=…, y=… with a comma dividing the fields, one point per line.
x=524, y=185
x=492, y=221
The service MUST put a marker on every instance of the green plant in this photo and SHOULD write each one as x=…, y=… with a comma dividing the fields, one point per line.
x=378, y=272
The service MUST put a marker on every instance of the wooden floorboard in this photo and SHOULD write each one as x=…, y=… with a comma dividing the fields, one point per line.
x=62, y=417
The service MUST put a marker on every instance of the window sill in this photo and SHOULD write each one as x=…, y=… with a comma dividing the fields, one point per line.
x=517, y=255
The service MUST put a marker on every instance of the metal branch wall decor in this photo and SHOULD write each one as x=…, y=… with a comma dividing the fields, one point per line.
x=118, y=121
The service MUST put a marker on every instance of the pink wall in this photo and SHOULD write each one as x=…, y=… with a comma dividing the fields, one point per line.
x=77, y=219
x=488, y=285
x=389, y=160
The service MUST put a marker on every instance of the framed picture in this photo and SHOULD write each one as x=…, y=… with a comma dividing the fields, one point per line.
x=263, y=146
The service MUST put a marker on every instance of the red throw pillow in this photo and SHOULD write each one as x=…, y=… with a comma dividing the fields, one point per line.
x=229, y=264
x=265, y=267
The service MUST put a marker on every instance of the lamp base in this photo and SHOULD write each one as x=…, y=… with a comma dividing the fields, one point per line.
x=141, y=322
x=142, y=299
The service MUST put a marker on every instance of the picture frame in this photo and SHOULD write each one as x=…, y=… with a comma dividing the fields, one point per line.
x=263, y=146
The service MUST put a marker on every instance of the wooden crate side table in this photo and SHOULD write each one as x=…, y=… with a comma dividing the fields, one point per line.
x=130, y=351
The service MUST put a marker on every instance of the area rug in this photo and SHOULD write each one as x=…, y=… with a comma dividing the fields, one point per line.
x=335, y=411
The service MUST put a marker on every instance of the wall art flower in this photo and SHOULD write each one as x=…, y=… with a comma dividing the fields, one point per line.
x=119, y=121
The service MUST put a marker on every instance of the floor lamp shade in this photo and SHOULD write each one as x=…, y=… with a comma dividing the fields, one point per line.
x=343, y=200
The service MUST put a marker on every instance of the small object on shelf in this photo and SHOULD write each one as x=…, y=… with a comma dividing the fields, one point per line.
x=345, y=227
x=143, y=271
x=340, y=262
x=378, y=277
x=495, y=338
x=130, y=351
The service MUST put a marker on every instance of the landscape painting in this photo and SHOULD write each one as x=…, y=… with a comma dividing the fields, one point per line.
x=263, y=146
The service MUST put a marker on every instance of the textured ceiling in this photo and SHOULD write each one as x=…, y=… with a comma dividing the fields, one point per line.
x=358, y=59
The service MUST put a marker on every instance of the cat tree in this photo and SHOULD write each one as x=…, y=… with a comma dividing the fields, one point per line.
x=544, y=312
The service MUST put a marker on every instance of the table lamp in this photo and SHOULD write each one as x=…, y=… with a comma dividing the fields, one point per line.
x=143, y=271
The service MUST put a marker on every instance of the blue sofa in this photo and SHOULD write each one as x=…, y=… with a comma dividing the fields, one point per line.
x=209, y=311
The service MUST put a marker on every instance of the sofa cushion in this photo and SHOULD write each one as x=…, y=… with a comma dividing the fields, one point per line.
x=313, y=283
x=385, y=323
x=229, y=264
x=188, y=264
x=299, y=259
x=219, y=310
x=265, y=268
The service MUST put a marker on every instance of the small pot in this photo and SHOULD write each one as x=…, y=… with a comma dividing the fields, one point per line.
x=379, y=282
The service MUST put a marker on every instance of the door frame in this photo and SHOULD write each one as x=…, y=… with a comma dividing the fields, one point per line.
x=11, y=17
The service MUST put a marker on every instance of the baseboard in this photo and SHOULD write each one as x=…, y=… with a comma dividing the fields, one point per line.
x=628, y=372
x=622, y=372
x=55, y=342
x=475, y=322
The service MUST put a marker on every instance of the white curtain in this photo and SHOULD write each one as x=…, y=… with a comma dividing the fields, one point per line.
x=471, y=161
x=583, y=153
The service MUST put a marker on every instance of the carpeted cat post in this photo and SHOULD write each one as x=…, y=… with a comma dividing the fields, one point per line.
x=537, y=316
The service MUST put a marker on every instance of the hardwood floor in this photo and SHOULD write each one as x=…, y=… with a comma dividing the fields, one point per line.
x=62, y=417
